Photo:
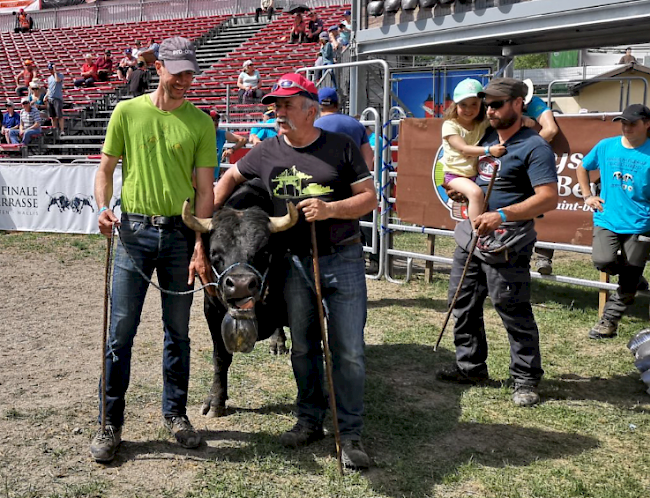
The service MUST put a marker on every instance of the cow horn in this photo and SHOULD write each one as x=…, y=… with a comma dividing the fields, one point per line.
x=202, y=225
x=282, y=223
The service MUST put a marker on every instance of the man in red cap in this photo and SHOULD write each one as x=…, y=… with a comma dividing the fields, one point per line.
x=325, y=175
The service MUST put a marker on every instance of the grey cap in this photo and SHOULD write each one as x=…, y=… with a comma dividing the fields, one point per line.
x=178, y=54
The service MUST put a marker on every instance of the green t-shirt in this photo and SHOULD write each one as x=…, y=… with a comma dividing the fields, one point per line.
x=159, y=151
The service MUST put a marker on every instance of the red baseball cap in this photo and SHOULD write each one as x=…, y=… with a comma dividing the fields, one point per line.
x=291, y=84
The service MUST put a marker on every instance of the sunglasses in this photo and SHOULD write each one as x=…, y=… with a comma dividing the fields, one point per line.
x=289, y=84
x=497, y=104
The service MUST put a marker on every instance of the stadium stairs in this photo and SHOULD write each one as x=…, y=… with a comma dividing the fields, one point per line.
x=223, y=44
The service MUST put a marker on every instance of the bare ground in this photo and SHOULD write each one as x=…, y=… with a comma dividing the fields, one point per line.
x=50, y=362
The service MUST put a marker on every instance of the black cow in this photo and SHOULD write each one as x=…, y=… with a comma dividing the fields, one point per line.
x=247, y=267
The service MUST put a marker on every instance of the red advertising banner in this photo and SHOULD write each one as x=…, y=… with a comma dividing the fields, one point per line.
x=422, y=200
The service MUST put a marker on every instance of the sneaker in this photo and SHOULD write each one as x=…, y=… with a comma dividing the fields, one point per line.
x=105, y=443
x=353, y=455
x=604, y=329
x=544, y=266
x=182, y=430
x=452, y=373
x=525, y=395
x=301, y=435
x=62, y=133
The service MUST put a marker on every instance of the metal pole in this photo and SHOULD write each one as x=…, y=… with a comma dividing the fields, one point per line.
x=326, y=348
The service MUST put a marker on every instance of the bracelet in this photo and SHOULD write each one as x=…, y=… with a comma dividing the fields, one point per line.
x=502, y=214
x=102, y=209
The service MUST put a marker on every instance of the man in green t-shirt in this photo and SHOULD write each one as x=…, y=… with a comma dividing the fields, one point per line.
x=163, y=141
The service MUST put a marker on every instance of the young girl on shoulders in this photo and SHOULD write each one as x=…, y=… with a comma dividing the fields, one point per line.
x=464, y=126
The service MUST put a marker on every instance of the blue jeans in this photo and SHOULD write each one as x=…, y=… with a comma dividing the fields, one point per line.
x=168, y=251
x=27, y=136
x=343, y=285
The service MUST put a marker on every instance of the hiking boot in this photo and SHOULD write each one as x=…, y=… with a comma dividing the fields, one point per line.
x=525, y=395
x=643, y=284
x=301, y=435
x=105, y=443
x=353, y=455
x=544, y=266
x=182, y=430
x=452, y=373
x=604, y=329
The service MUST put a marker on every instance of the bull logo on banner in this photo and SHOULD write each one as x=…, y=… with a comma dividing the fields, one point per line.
x=63, y=203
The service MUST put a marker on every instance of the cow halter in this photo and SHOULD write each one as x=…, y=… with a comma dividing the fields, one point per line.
x=220, y=276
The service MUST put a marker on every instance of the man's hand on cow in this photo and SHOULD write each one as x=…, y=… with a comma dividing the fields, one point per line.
x=487, y=222
x=594, y=202
x=106, y=221
x=200, y=266
x=314, y=209
x=454, y=195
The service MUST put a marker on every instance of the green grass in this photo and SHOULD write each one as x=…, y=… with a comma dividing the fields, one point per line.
x=589, y=438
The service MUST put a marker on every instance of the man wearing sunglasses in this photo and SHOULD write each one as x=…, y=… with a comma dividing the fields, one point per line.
x=525, y=188
x=326, y=176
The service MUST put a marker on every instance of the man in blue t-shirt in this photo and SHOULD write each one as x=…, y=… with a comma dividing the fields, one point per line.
x=525, y=187
x=259, y=134
x=332, y=120
x=621, y=211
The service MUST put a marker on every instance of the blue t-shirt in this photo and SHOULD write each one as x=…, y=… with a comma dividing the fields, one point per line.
x=264, y=133
x=221, y=140
x=54, y=88
x=10, y=121
x=528, y=163
x=625, y=185
x=535, y=108
x=342, y=123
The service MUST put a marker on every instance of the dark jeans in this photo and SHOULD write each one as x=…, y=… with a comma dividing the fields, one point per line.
x=628, y=266
x=259, y=10
x=366, y=237
x=343, y=284
x=168, y=251
x=254, y=96
x=508, y=285
x=84, y=82
x=544, y=253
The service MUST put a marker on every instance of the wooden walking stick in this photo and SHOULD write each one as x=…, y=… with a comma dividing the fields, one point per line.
x=107, y=289
x=326, y=348
x=469, y=257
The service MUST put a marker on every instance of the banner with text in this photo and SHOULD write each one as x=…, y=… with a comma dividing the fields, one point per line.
x=51, y=197
x=422, y=200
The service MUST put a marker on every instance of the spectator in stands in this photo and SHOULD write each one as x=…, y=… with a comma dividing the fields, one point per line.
x=266, y=7
x=628, y=57
x=259, y=134
x=333, y=32
x=327, y=54
x=25, y=77
x=136, y=51
x=104, y=65
x=10, y=121
x=345, y=29
x=154, y=46
x=620, y=211
x=24, y=22
x=30, y=124
x=535, y=109
x=297, y=33
x=248, y=82
x=54, y=98
x=314, y=28
x=88, y=73
x=222, y=137
x=126, y=65
x=139, y=80
x=36, y=94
